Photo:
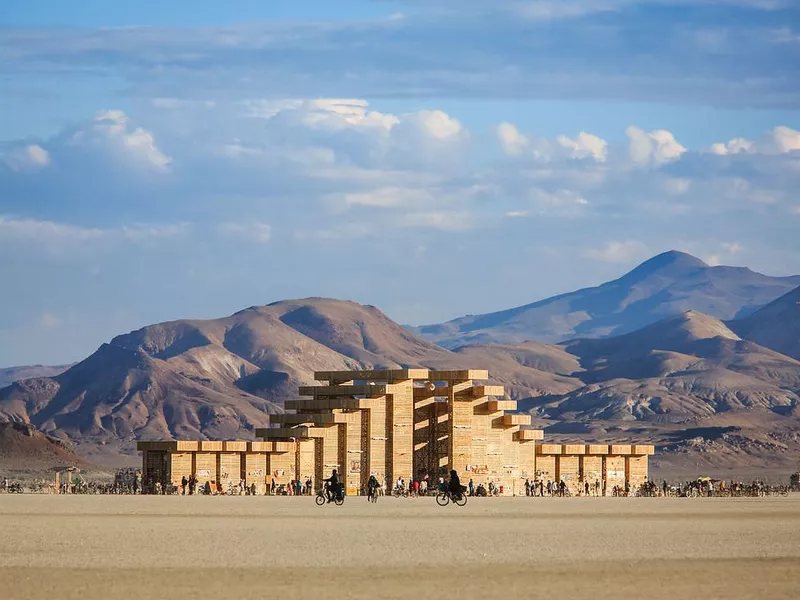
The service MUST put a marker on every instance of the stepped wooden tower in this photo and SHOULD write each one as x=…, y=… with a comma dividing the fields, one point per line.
x=405, y=423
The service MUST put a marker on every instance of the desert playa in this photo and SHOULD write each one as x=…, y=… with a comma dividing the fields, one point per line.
x=162, y=547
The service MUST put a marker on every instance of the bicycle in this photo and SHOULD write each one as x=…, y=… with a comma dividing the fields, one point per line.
x=322, y=497
x=444, y=497
x=399, y=492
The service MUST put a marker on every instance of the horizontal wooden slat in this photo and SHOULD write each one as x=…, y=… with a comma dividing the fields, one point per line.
x=498, y=405
x=318, y=391
x=387, y=375
x=511, y=420
x=574, y=449
x=597, y=449
x=332, y=403
x=479, y=374
x=548, y=449
x=234, y=446
x=480, y=391
x=529, y=435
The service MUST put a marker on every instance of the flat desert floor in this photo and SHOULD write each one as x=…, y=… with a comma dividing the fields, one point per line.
x=178, y=547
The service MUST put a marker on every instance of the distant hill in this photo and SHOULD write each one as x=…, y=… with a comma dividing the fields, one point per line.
x=11, y=374
x=776, y=326
x=678, y=370
x=23, y=446
x=668, y=284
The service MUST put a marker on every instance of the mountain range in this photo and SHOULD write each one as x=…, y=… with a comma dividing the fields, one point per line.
x=710, y=393
x=667, y=284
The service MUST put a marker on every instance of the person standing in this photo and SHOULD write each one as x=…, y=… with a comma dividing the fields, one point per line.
x=471, y=487
x=184, y=483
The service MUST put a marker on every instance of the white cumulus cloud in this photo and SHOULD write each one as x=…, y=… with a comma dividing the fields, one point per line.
x=779, y=140
x=110, y=131
x=652, y=148
x=584, y=146
x=511, y=140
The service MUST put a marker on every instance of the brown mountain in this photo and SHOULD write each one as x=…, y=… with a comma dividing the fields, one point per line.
x=221, y=378
x=688, y=382
x=709, y=399
x=22, y=446
x=680, y=369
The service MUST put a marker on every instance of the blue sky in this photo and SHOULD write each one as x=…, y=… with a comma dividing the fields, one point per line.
x=188, y=159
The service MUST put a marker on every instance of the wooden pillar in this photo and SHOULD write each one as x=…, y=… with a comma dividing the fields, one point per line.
x=460, y=426
x=402, y=430
x=603, y=488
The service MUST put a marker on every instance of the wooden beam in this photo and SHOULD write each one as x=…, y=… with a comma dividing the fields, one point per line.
x=499, y=405
x=321, y=391
x=548, y=449
x=387, y=375
x=529, y=435
x=512, y=420
x=327, y=404
x=479, y=391
x=450, y=376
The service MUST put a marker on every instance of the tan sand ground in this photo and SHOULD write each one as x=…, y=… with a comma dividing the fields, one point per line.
x=180, y=547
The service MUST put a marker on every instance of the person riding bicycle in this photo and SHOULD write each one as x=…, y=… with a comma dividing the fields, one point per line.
x=455, y=485
x=372, y=486
x=333, y=485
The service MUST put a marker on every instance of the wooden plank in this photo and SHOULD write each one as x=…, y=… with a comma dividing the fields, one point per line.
x=260, y=446
x=480, y=391
x=543, y=449
x=387, y=375
x=332, y=403
x=321, y=391
x=234, y=446
x=621, y=449
x=597, y=449
x=644, y=450
x=501, y=405
x=157, y=446
x=574, y=449
x=479, y=374
x=512, y=420
x=318, y=419
x=527, y=435
x=283, y=433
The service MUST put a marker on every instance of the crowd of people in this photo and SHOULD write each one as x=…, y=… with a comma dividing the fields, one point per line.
x=129, y=481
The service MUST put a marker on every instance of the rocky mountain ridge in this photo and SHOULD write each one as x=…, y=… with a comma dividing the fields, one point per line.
x=691, y=383
x=670, y=283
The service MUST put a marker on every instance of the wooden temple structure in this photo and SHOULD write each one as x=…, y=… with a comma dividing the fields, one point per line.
x=398, y=423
